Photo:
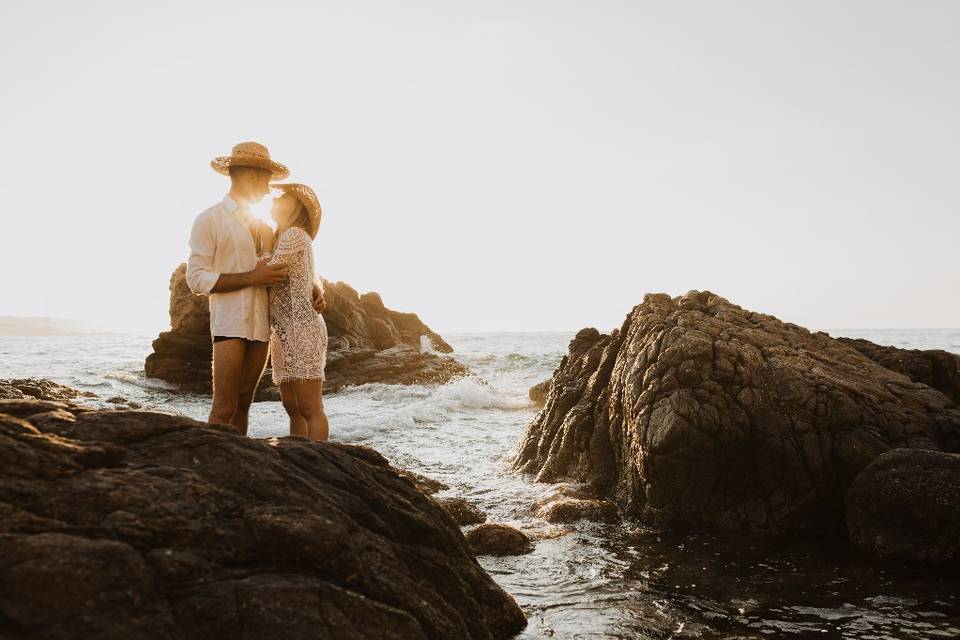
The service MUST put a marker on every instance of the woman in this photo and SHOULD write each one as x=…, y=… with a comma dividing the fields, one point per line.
x=298, y=336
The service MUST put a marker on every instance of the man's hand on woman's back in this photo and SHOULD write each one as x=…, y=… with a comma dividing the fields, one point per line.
x=268, y=275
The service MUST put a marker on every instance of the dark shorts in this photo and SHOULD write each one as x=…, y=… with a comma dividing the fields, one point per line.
x=220, y=338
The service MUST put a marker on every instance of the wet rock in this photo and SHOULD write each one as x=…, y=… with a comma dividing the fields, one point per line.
x=462, y=511
x=367, y=343
x=566, y=509
x=906, y=505
x=130, y=524
x=424, y=483
x=39, y=389
x=933, y=367
x=699, y=413
x=498, y=540
x=538, y=392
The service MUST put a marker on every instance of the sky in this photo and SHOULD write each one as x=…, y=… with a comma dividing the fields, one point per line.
x=497, y=166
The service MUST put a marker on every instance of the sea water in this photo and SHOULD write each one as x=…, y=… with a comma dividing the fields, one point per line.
x=584, y=580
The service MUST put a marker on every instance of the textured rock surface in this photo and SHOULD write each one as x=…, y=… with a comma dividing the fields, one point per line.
x=933, y=367
x=906, y=504
x=698, y=412
x=39, y=389
x=498, y=540
x=126, y=524
x=368, y=343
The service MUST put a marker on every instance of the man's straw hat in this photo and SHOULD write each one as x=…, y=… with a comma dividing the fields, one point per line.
x=250, y=154
x=307, y=198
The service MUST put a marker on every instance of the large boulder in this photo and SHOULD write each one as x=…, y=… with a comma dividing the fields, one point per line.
x=906, y=505
x=933, y=367
x=367, y=343
x=127, y=524
x=696, y=412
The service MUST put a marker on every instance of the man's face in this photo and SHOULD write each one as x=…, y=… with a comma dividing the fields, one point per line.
x=260, y=184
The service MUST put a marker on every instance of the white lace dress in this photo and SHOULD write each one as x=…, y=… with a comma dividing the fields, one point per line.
x=298, y=334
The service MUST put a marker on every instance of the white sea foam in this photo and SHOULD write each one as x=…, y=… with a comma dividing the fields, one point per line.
x=140, y=380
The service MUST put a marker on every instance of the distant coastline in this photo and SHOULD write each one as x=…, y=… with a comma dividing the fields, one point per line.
x=26, y=326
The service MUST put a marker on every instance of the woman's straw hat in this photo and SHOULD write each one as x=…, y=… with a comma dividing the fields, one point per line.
x=250, y=154
x=307, y=198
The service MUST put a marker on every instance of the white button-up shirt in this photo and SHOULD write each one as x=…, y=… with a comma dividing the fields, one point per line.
x=220, y=242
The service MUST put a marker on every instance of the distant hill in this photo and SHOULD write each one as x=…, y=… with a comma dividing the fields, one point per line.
x=26, y=326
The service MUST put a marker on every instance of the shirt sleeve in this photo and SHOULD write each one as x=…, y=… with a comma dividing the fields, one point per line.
x=200, y=274
x=290, y=246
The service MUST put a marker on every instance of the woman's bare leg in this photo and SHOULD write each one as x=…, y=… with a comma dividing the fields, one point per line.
x=288, y=395
x=310, y=403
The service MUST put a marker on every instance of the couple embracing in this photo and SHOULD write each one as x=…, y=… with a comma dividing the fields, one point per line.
x=264, y=293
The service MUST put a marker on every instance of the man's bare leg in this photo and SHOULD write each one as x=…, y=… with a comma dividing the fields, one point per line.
x=228, y=357
x=254, y=361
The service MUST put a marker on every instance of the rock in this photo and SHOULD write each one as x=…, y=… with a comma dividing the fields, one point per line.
x=426, y=484
x=538, y=392
x=463, y=512
x=39, y=389
x=566, y=509
x=130, y=524
x=933, y=367
x=367, y=343
x=498, y=540
x=566, y=503
x=699, y=413
x=906, y=505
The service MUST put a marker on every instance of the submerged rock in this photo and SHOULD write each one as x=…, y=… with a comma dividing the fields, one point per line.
x=906, y=504
x=498, y=540
x=933, y=367
x=367, y=343
x=696, y=412
x=567, y=509
x=129, y=524
x=462, y=511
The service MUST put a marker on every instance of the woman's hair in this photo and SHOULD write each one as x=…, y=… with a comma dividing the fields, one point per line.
x=301, y=218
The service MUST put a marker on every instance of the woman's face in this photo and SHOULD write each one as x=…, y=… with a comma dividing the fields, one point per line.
x=283, y=207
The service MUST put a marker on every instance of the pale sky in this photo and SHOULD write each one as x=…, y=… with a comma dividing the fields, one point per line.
x=510, y=166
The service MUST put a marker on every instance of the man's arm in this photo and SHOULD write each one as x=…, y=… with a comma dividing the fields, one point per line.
x=263, y=275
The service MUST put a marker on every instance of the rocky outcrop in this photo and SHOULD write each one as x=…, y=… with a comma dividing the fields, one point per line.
x=696, y=412
x=367, y=343
x=906, y=505
x=933, y=367
x=127, y=524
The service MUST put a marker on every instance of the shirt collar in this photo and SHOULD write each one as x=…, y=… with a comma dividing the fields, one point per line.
x=234, y=208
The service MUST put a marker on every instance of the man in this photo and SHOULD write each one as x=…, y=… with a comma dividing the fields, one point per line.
x=225, y=244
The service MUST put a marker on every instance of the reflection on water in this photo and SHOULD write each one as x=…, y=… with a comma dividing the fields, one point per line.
x=584, y=580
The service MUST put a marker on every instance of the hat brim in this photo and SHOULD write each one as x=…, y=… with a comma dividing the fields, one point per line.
x=222, y=165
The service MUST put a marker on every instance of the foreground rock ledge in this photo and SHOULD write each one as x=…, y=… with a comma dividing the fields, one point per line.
x=697, y=412
x=367, y=343
x=128, y=524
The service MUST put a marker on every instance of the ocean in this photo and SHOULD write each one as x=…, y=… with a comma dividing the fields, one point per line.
x=586, y=580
